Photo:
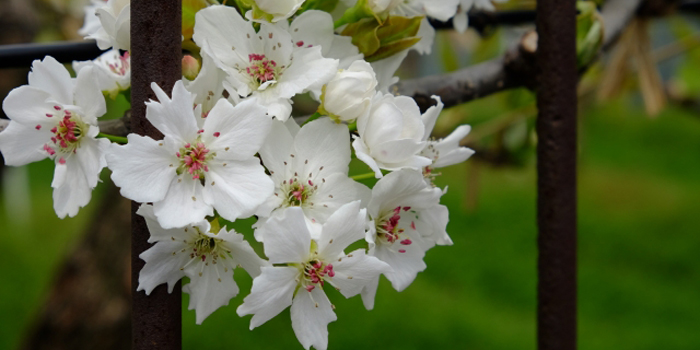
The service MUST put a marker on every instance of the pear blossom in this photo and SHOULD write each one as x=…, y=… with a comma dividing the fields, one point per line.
x=115, y=20
x=349, y=94
x=207, y=258
x=275, y=10
x=112, y=69
x=311, y=265
x=443, y=152
x=385, y=70
x=91, y=24
x=391, y=135
x=195, y=170
x=310, y=171
x=263, y=65
x=55, y=117
x=461, y=19
x=407, y=220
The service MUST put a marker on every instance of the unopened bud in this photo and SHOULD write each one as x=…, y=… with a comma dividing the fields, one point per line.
x=190, y=67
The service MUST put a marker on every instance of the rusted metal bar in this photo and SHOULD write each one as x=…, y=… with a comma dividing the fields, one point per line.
x=556, y=174
x=155, y=57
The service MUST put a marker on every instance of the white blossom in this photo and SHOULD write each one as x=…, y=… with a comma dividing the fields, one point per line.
x=391, y=135
x=195, y=170
x=263, y=65
x=443, y=152
x=349, y=94
x=207, y=87
x=311, y=264
x=310, y=170
x=112, y=70
x=407, y=220
x=207, y=258
x=55, y=116
x=115, y=20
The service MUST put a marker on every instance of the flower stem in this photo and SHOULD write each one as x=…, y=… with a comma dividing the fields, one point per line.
x=116, y=139
x=362, y=176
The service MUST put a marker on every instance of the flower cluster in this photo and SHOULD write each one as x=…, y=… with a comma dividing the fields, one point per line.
x=231, y=150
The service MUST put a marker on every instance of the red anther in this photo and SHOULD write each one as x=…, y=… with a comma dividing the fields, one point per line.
x=187, y=145
x=58, y=108
x=204, y=257
x=62, y=161
x=200, y=131
x=413, y=225
x=38, y=127
x=406, y=242
x=217, y=134
x=300, y=43
x=406, y=208
x=311, y=183
x=177, y=154
x=402, y=250
x=309, y=288
x=48, y=115
x=397, y=210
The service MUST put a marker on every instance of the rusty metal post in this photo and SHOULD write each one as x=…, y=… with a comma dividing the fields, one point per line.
x=556, y=174
x=156, y=55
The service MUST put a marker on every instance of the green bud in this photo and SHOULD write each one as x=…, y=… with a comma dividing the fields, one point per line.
x=378, y=40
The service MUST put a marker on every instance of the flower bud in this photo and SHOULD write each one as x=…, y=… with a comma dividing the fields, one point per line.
x=349, y=94
x=277, y=10
x=190, y=67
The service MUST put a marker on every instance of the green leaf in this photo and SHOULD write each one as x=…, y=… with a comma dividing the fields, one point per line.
x=364, y=35
x=392, y=49
x=322, y=5
x=398, y=28
x=189, y=9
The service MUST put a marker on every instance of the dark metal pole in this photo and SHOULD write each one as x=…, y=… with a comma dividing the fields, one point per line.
x=155, y=57
x=22, y=55
x=556, y=174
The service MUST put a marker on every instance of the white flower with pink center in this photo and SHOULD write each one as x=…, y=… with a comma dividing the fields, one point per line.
x=262, y=66
x=55, y=116
x=195, y=170
x=112, y=69
x=407, y=220
x=442, y=152
x=311, y=266
x=207, y=258
x=309, y=167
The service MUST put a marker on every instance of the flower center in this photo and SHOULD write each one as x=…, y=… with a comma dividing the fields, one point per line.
x=206, y=250
x=262, y=69
x=388, y=231
x=315, y=271
x=193, y=159
x=67, y=134
x=297, y=193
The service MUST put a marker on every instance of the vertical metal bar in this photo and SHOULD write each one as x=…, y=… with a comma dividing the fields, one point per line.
x=156, y=56
x=556, y=171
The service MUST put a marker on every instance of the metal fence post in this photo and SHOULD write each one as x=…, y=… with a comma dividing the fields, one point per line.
x=156, y=55
x=556, y=172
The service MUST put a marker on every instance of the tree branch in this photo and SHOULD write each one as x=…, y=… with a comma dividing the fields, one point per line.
x=514, y=69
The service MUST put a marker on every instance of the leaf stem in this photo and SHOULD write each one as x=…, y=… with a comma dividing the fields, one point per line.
x=362, y=176
x=116, y=139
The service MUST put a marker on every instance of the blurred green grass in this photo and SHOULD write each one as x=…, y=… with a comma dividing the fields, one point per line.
x=639, y=278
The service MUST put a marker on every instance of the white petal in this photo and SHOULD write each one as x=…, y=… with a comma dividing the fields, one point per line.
x=460, y=21
x=345, y=226
x=326, y=144
x=271, y=293
x=311, y=313
x=337, y=190
x=211, y=287
x=430, y=117
x=242, y=129
x=362, y=153
x=158, y=233
x=432, y=224
x=173, y=117
x=88, y=96
x=72, y=191
x=427, y=34
x=286, y=237
x=356, y=271
x=405, y=265
x=142, y=168
x=162, y=266
x=29, y=106
x=369, y=292
x=183, y=204
x=22, y=144
x=276, y=150
x=52, y=77
x=386, y=68
x=237, y=189
x=308, y=68
x=214, y=25
x=241, y=251
x=402, y=188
